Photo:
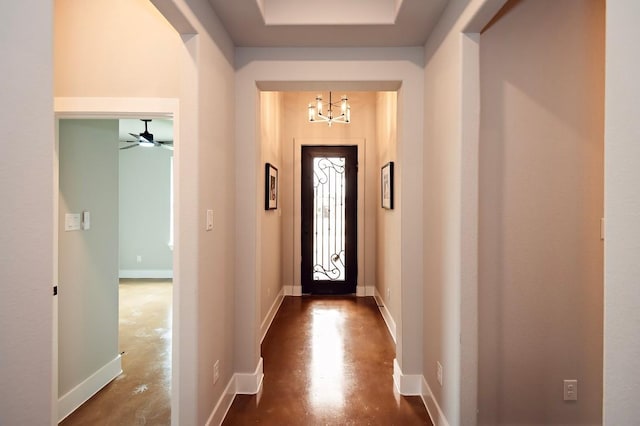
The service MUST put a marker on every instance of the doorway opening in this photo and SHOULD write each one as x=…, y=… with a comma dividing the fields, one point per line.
x=91, y=379
x=114, y=318
x=329, y=219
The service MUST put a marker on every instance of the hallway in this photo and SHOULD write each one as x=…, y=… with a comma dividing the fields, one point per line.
x=328, y=360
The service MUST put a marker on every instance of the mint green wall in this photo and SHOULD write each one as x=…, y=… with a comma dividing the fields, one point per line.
x=145, y=191
x=88, y=259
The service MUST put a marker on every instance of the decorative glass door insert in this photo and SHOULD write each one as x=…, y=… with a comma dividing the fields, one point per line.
x=329, y=183
x=329, y=219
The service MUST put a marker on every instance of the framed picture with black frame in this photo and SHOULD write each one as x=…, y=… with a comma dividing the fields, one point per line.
x=270, y=187
x=386, y=185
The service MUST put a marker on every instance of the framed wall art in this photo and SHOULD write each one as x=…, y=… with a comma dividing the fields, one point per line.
x=271, y=187
x=386, y=185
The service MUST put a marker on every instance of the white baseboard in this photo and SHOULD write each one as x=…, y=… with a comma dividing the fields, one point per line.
x=240, y=383
x=361, y=291
x=364, y=291
x=386, y=315
x=407, y=384
x=144, y=273
x=292, y=290
x=224, y=403
x=266, y=324
x=250, y=383
x=77, y=396
x=435, y=413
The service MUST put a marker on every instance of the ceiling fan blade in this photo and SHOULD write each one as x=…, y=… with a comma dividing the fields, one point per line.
x=130, y=146
x=134, y=135
x=165, y=146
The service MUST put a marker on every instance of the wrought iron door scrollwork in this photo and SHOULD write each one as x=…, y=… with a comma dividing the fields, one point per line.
x=334, y=273
x=329, y=218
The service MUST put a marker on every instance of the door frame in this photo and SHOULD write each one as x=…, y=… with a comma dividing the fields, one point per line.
x=361, y=290
x=115, y=108
x=351, y=220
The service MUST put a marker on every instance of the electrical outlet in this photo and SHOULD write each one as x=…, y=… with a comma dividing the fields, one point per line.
x=216, y=371
x=570, y=390
x=139, y=259
x=388, y=293
x=439, y=372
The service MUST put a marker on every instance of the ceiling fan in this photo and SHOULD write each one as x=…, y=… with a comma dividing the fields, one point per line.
x=146, y=139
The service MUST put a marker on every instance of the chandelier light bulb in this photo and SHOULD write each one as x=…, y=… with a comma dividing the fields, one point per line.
x=312, y=113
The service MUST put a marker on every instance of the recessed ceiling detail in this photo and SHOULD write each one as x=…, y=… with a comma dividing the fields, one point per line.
x=329, y=12
x=328, y=23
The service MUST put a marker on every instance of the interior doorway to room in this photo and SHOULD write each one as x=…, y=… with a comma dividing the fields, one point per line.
x=115, y=316
x=329, y=219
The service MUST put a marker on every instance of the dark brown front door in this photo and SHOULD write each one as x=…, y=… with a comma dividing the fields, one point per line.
x=329, y=219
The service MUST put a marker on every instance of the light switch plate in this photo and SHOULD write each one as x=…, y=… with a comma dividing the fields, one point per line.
x=72, y=222
x=86, y=220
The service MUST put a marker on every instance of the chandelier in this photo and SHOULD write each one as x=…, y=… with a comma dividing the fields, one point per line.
x=337, y=112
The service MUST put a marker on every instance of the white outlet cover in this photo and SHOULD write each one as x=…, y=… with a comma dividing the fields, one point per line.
x=209, y=220
x=216, y=372
x=570, y=390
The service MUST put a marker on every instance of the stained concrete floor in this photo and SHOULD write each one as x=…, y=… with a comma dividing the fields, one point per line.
x=328, y=361
x=141, y=394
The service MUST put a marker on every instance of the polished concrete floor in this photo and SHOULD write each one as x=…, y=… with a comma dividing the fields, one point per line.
x=141, y=394
x=328, y=361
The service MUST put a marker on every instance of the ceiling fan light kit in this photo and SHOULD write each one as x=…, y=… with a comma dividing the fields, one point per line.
x=145, y=139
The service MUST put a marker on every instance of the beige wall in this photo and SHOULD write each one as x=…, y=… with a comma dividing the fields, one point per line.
x=541, y=200
x=360, y=131
x=450, y=163
x=271, y=110
x=129, y=38
x=207, y=85
x=387, y=261
x=622, y=209
x=442, y=213
x=26, y=214
x=87, y=259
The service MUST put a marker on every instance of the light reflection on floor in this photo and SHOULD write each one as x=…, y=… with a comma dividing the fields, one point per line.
x=327, y=359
